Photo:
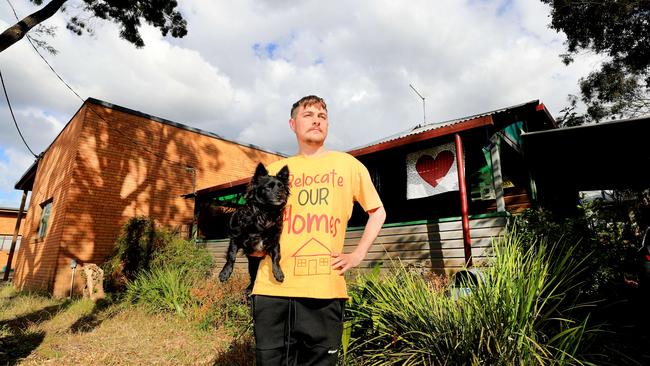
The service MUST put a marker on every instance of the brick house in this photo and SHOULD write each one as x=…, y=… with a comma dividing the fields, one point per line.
x=109, y=164
x=8, y=217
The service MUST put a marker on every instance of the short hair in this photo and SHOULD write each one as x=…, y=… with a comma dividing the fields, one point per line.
x=306, y=102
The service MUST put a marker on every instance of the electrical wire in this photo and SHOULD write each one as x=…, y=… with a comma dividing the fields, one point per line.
x=47, y=63
x=13, y=116
x=137, y=144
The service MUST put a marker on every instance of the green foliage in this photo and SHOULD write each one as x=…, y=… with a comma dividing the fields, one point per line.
x=157, y=268
x=180, y=253
x=142, y=247
x=133, y=252
x=128, y=15
x=222, y=304
x=163, y=289
x=609, y=231
x=620, y=31
x=520, y=313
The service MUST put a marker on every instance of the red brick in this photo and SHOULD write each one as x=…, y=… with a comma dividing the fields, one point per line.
x=99, y=174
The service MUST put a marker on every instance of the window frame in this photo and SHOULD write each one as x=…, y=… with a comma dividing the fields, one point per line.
x=44, y=220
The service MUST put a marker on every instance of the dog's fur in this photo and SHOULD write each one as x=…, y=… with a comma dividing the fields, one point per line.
x=256, y=226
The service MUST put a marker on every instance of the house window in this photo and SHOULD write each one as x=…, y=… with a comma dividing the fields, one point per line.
x=323, y=261
x=46, y=208
x=301, y=263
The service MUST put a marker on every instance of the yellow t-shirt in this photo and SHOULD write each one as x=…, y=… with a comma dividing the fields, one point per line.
x=323, y=191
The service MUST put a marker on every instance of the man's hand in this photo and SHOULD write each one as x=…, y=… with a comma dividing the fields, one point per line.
x=344, y=262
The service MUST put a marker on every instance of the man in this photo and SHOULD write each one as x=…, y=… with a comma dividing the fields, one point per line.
x=299, y=321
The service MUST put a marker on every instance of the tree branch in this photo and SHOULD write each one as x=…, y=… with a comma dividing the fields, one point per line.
x=16, y=32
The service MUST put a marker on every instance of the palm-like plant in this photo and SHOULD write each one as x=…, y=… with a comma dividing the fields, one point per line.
x=521, y=313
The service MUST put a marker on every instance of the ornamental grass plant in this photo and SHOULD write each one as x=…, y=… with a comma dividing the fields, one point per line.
x=522, y=313
x=163, y=289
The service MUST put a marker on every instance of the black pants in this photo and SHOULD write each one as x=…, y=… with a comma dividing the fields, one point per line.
x=297, y=331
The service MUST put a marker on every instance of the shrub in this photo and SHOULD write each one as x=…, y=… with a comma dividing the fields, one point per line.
x=142, y=247
x=519, y=314
x=604, y=231
x=222, y=304
x=179, y=253
x=163, y=289
x=132, y=254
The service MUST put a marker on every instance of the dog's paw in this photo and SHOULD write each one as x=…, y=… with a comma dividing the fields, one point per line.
x=279, y=276
x=225, y=274
x=249, y=289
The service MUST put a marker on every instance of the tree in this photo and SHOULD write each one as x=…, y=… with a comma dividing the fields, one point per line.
x=619, y=30
x=128, y=14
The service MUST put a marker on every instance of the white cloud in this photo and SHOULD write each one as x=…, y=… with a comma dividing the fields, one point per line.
x=12, y=167
x=465, y=57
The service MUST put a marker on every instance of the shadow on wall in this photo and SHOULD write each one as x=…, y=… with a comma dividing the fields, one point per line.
x=125, y=166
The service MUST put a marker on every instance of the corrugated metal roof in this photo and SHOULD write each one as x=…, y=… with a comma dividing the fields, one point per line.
x=418, y=129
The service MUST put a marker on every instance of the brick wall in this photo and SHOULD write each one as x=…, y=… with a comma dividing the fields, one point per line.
x=37, y=262
x=124, y=165
x=8, y=223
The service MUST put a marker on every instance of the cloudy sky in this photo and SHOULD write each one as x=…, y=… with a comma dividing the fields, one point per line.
x=243, y=63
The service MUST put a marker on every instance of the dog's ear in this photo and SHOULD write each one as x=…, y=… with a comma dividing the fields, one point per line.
x=283, y=174
x=260, y=171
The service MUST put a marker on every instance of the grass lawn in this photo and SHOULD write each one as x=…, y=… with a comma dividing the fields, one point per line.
x=39, y=330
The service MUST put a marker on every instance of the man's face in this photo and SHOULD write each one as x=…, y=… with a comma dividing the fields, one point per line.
x=310, y=124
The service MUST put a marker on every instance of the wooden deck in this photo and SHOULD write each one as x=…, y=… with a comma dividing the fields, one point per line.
x=438, y=246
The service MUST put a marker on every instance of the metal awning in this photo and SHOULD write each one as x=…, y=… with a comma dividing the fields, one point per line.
x=610, y=155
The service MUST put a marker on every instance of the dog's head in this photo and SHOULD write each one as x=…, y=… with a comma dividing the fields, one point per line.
x=269, y=190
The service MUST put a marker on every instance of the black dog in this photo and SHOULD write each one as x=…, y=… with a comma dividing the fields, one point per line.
x=257, y=225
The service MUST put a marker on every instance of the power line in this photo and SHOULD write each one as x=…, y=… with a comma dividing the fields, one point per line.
x=12, y=115
x=48, y=64
x=136, y=143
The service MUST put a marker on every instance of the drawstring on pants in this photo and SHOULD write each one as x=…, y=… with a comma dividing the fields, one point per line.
x=288, y=335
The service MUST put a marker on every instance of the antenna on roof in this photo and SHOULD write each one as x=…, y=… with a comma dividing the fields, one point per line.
x=424, y=109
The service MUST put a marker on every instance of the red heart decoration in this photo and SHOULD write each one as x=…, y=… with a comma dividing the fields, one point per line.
x=433, y=170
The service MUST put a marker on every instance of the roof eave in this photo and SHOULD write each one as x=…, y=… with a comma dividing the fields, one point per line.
x=26, y=182
x=165, y=121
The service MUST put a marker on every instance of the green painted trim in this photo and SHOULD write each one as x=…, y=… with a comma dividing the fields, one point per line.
x=438, y=221
x=418, y=222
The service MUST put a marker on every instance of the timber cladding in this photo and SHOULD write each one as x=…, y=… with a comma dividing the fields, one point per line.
x=107, y=166
x=437, y=246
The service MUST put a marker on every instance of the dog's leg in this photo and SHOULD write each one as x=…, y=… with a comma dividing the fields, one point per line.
x=231, y=254
x=253, y=265
x=275, y=260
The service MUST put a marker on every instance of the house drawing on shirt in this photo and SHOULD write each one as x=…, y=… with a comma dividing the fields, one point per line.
x=311, y=259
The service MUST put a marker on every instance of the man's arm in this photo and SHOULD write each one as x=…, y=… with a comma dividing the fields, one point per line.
x=344, y=262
